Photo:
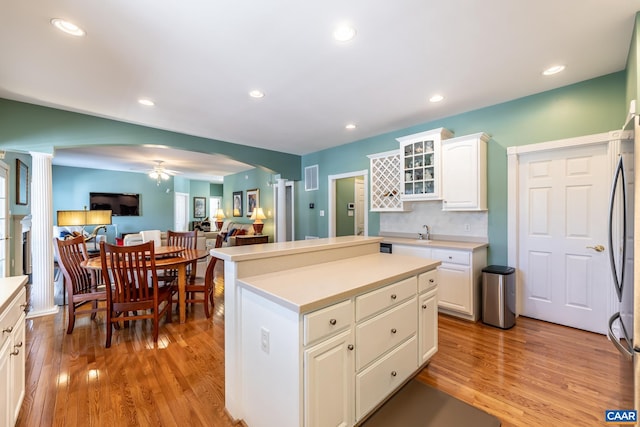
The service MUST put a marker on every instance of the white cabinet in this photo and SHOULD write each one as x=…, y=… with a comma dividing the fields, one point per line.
x=12, y=357
x=464, y=173
x=459, y=285
x=385, y=182
x=420, y=164
x=328, y=382
x=427, y=316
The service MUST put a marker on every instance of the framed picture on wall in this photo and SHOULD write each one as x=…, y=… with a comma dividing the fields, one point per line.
x=199, y=207
x=237, y=203
x=253, y=200
x=22, y=183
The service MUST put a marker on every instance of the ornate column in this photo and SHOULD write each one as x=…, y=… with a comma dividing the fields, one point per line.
x=41, y=298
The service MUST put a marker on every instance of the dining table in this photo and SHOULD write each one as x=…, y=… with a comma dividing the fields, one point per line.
x=167, y=258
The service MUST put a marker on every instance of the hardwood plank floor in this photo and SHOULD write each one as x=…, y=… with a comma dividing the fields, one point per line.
x=536, y=374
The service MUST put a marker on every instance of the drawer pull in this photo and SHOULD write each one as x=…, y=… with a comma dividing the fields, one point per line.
x=8, y=330
x=15, y=352
x=333, y=321
x=25, y=307
x=424, y=306
x=450, y=257
x=393, y=296
x=18, y=345
x=394, y=373
x=350, y=346
x=394, y=330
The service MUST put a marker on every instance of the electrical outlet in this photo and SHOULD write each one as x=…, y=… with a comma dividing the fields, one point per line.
x=264, y=340
x=467, y=228
x=321, y=213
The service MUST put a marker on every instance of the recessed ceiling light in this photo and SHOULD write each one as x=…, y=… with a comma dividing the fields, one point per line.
x=344, y=33
x=436, y=98
x=256, y=94
x=553, y=70
x=68, y=27
x=147, y=102
x=350, y=126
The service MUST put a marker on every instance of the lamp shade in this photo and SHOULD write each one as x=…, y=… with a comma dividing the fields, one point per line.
x=71, y=218
x=258, y=215
x=84, y=217
x=98, y=217
x=219, y=214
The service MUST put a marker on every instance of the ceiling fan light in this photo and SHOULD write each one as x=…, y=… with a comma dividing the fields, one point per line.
x=153, y=174
x=164, y=175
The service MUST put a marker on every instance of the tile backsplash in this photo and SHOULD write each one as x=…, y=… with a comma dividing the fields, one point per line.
x=442, y=224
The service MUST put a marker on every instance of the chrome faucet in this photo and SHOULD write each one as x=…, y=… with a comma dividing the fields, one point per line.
x=427, y=233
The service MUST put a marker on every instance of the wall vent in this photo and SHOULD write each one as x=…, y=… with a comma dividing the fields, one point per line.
x=311, y=178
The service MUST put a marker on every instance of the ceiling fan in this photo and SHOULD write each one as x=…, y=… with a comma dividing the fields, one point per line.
x=160, y=173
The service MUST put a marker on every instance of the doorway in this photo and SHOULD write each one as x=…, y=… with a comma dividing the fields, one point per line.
x=348, y=207
x=557, y=228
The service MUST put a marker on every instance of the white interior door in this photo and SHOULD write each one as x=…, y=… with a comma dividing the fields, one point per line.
x=4, y=221
x=180, y=211
x=359, y=205
x=563, y=205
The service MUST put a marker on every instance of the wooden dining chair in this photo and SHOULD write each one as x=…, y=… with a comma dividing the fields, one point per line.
x=205, y=288
x=133, y=292
x=184, y=239
x=81, y=284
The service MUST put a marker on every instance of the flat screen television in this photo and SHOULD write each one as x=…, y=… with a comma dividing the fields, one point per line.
x=121, y=204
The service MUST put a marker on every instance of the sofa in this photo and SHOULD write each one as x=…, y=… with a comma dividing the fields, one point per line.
x=230, y=229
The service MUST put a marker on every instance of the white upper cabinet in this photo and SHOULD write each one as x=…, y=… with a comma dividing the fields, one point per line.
x=464, y=173
x=420, y=177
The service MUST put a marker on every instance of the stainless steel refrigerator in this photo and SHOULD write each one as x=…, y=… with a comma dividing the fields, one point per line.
x=624, y=238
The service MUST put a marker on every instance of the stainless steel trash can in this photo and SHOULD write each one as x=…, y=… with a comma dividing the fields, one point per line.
x=499, y=296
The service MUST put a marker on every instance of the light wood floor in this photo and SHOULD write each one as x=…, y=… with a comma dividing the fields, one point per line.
x=536, y=374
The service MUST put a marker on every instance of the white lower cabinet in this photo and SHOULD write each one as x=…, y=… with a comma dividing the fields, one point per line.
x=328, y=382
x=12, y=359
x=427, y=316
x=455, y=294
x=347, y=373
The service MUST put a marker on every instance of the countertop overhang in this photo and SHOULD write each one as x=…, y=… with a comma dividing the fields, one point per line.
x=9, y=288
x=312, y=287
x=440, y=244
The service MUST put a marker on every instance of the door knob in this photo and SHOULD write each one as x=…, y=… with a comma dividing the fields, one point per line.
x=597, y=248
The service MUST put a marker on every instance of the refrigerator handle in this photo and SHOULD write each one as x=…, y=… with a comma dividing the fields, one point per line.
x=627, y=353
x=618, y=281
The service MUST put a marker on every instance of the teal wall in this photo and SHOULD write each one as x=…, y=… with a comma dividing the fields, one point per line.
x=585, y=108
x=345, y=194
x=71, y=188
x=216, y=190
x=632, y=67
x=249, y=180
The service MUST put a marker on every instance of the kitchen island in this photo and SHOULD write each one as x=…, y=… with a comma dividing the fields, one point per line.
x=320, y=332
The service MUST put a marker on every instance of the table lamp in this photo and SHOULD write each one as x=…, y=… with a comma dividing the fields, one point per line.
x=219, y=218
x=99, y=218
x=258, y=215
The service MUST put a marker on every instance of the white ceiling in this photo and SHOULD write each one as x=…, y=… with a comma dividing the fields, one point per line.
x=198, y=59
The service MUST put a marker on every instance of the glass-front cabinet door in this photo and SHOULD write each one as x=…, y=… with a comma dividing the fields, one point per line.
x=421, y=175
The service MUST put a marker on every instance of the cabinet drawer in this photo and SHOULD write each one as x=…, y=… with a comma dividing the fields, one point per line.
x=10, y=316
x=428, y=280
x=453, y=257
x=380, y=299
x=327, y=321
x=381, y=333
x=377, y=381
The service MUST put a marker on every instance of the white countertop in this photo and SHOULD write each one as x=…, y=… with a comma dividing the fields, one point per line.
x=308, y=288
x=9, y=288
x=270, y=250
x=440, y=244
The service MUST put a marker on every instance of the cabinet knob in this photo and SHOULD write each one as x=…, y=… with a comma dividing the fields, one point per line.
x=15, y=352
x=424, y=306
x=350, y=346
x=394, y=373
x=18, y=345
x=394, y=330
x=393, y=296
x=333, y=321
x=25, y=307
x=8, y=330
x=431, y=280
x=450, y=257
